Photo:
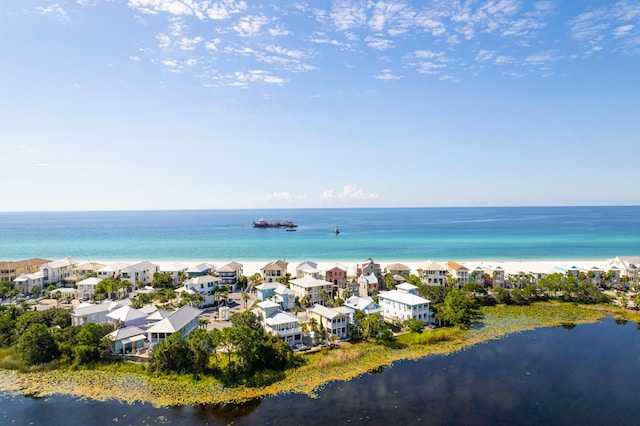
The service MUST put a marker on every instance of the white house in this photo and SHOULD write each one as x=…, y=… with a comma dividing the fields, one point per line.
x=334, y=320
x=175, y=270
x=55, y=272
x=276, y=321
x=308, y=269
x=365, y=304
x=87, y=287
x=312, y=288
x=26, y=282
x=200, y=269
x=89, y=312
x=184, y=320
x=205, y=285
x=404, y=303
x=140, y=272
x=459, y=272
x=111, y=271
x=432, y=273
x=629, y=266
x=126, y=316
x=83, y=269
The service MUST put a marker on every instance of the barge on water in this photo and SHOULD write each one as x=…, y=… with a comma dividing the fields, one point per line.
x=263, y=223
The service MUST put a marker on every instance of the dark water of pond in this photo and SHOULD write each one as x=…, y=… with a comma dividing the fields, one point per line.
x=588, y=375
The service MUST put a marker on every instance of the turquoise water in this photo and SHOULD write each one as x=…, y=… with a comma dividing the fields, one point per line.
x=411, y=234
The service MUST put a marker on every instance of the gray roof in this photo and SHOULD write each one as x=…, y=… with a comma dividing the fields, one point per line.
x=331, y=313
x=176, y=321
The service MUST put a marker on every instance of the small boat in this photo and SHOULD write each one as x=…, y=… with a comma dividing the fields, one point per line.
x=336, y=231
x=291, y=229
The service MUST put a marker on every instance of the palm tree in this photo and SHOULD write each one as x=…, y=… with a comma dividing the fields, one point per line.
x=245, y=297
x=313, y=324
x=323, y=296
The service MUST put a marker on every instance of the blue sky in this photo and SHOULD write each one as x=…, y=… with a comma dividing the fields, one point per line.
x=164, y=104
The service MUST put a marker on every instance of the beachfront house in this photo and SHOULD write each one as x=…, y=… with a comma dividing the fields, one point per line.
x=127, y=340
x=432, y=273
x=176, y=270
x=183, y=321
x=369, y=267
x=274, y=270
x=496, y=274
x=629, y=266
x=315, y=290
x=398, y=269
x=403, y=303
x=334, y=320
x=56, y=272
x=277, y=322
x=87, y=268
x=337, y=275
x=139, y=273
x=230, y=274
x=10, y=270
x=308, y=269
x=25, y=283
x=87, y=287
x=200, y=269
x=459, y=273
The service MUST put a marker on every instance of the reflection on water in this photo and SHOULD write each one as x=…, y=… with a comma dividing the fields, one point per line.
x=586, y=374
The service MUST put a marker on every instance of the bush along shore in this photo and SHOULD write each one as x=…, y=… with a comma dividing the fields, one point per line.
x=242, y=363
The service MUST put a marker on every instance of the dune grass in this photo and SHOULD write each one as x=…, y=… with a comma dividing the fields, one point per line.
x=132, y=383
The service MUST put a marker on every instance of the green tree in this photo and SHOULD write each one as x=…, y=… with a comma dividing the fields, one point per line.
x=245, y=298
x=37, y=345
x=414, y=325
x=389, y=281
x=162, y=280
x=458, y=309
x=91, y=344
x=172, y=354
x=246, y=318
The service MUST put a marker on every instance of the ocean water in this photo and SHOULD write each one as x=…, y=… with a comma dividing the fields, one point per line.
x=409, y=234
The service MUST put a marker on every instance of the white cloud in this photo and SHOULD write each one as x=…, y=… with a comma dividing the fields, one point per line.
x=485, y=55
x=249, y=26
x=54, y=9
x=134, y=58
x=186, y=43
x=347, y=15
x=349, y=192
x=378, y=43
x=279, y=31
x=284, y=196
x=622, y=31
x=387, y=75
